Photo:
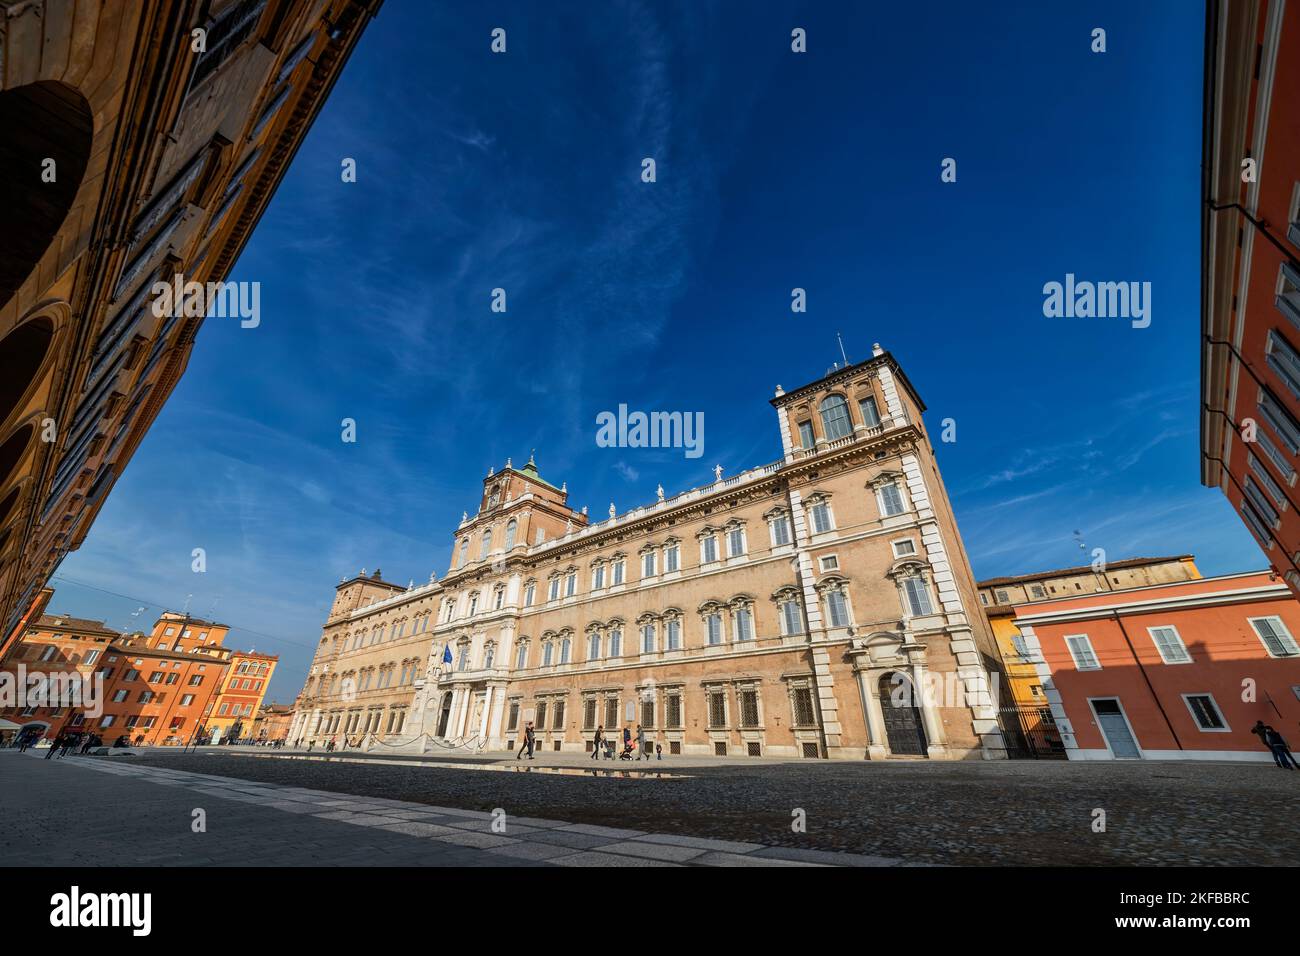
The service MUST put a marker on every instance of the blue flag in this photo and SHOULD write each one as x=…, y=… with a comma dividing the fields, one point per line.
x=446, y=653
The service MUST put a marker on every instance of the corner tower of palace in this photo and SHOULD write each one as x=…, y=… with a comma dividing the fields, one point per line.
x=786, y=610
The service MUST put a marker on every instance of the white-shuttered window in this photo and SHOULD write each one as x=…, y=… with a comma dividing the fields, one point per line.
x=1276, y=638
x=713, y=625
x=918, y=596
x=1081, y=650
x=1170, y=645
x=891, y=499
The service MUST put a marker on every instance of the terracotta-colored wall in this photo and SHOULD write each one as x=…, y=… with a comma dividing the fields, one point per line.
x=1225, y=654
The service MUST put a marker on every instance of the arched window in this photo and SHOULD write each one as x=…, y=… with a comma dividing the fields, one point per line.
x=835, y=417
x=511, y=527
x=486, y=548
x=464, y=552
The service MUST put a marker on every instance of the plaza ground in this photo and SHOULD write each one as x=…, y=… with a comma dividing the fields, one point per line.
x=888, y=812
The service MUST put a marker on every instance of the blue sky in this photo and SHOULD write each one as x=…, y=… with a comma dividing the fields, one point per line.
x=775, y=171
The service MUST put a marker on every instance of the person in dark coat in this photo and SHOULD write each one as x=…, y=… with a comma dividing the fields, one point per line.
x=58, y=742
x=598, y=743
x=640, y=744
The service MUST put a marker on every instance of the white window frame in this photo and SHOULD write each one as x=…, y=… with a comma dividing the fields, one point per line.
x=744, y=542
x=672, y=551
x=1225, y=729
x=1187, y=655
x=812, y=516
x=834, y=560
x=910, y=542
x=1092, y=652
x=782, y=521
x=1277, y=624
x=902, y=499
x=704, y=542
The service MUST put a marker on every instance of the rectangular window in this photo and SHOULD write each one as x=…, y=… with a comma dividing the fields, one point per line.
x=618, y=571
x=918, y=596
x=648, y=565
x=1288, y=299
x=559, y=715
x=714, y=625
x=870, y=413
x=672, y=558
x=744, y=624
x=804, y=715
x=648, y=639
x=615, y=643
x=821, y=517
x=780, y=531
x=598, y=578
x=1262, y=505
x=806, y=439
x=791, y=619
x=673, y=634
x=1276, y=638
x=904, y=548
x=736, y=542
x=1256, y=525
x=837, y=609
x=530, y=592
x=571, y=584
x=1081, y=650
x=1266, y=481
x=717, y=709
x=611, y=712
x=555, y=589
x=648, y=713
x=1205, y=712
x=540, y=720
x=891, y=499
x=589, y=713
x=749, y=708
x=1170, y=645
x=1284, y=361
x=512, y=722
x=673, y=711
x=829, y=562
x=1280, y=420
x=709, y=550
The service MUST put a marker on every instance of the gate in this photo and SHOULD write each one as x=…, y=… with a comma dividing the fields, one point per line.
x=1030, y=733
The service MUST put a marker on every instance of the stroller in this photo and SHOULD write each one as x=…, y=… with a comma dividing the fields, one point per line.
x=628, y=749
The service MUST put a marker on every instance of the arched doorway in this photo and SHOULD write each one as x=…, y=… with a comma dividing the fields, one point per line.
x=42, y=121
x=445, y=715
x=903, y=727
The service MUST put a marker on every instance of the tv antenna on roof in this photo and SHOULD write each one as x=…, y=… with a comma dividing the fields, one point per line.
x=843, y=354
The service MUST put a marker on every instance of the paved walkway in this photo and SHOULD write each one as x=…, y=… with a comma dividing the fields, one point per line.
x=112, y=811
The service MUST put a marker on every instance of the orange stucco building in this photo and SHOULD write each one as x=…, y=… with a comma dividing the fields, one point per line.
x=233, y=710
x=1178, y=671
x=1250, y=292
x=158, y=689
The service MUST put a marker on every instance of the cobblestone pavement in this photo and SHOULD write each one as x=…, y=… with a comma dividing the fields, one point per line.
x=150, y=811
x=959, y=812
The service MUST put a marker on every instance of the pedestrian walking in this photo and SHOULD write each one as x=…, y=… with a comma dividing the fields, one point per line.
x=527, y=744
x=640, y=744
x=596, y=744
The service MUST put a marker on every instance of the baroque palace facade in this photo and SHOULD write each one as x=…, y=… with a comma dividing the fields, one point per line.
x=138, y=141
x=784, y=611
